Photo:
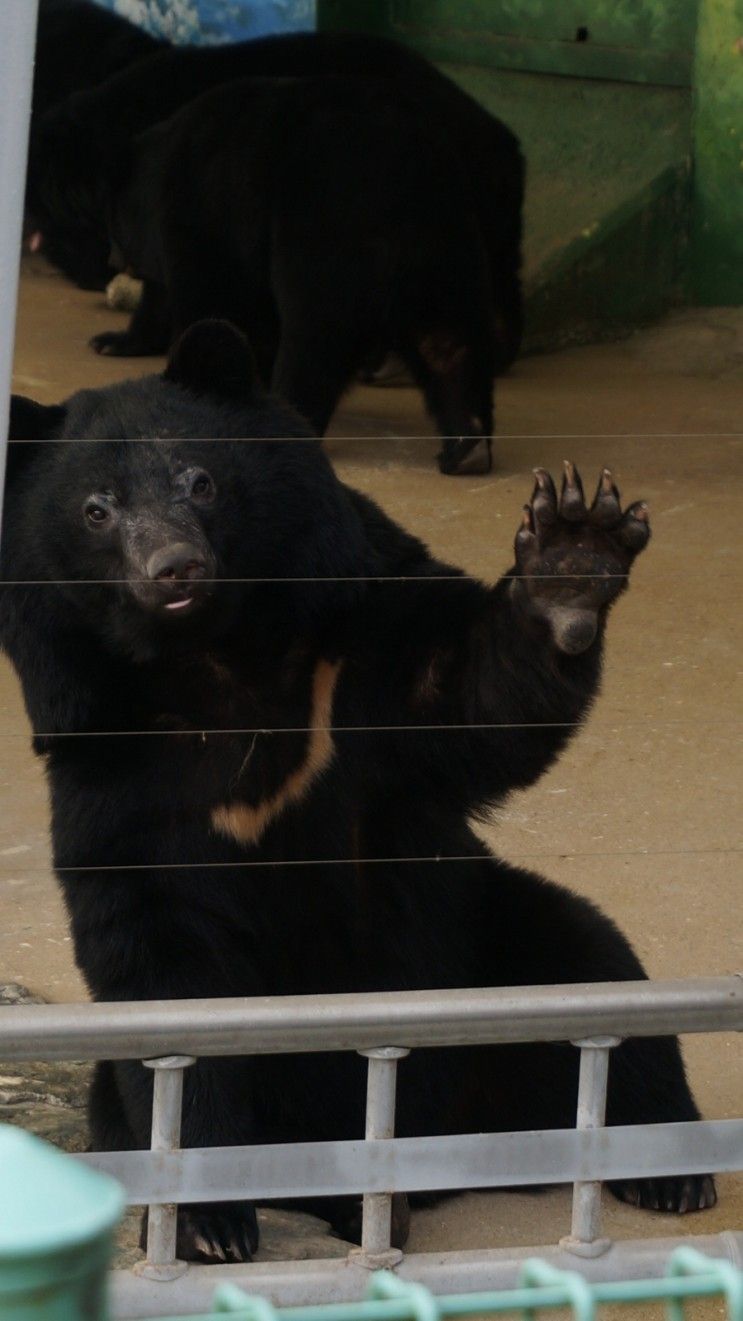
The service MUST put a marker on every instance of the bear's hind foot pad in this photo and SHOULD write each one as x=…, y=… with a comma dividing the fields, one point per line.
x=677, y=1194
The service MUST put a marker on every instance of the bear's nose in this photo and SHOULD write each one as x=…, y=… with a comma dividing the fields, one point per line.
x=179, y=562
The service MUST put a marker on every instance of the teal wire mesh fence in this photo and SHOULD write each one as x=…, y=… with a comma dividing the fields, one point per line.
x=542, y=1287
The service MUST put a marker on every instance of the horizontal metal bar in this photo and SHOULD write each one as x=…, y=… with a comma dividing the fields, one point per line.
x=472, y=1160
x=284, y=1024
x=294, y=1283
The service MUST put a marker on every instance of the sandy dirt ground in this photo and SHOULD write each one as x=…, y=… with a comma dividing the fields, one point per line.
x=642, y=813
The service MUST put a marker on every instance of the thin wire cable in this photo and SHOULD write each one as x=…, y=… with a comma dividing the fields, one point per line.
x=250, y=863
x=196, y=731
x=354, y=578
x=432, y=436
x=344, y=862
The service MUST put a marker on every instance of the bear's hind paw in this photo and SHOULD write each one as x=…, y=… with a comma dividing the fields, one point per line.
x=215, y=1233
x=677, y=1194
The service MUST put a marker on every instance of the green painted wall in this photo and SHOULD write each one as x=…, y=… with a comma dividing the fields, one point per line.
x=717, y=214
x=630, y=113
x=636, y=40
x=590, y=145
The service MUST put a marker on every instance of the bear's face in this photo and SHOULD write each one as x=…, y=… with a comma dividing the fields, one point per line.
x=151, y=536
x=149, y=517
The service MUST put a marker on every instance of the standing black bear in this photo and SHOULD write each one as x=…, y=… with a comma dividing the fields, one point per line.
x=82, y=141
x=327, y=221
x=199, y=587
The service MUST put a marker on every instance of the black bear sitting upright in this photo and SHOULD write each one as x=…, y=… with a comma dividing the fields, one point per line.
x=203, y=586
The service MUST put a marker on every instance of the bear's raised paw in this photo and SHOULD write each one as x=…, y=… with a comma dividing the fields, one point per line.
x=573, y=561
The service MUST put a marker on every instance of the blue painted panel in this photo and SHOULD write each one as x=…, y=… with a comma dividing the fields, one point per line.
x=212, y=21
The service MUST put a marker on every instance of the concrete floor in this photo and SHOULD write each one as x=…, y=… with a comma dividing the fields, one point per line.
x=643, y=811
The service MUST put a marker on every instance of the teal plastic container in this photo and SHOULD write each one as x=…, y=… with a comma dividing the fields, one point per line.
x=57, y=1219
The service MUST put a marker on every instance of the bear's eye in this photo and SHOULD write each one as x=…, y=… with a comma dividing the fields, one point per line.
x=96, y=513
x=202, y=486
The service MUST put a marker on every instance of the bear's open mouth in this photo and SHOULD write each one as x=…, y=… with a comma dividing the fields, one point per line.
x=184, y=602
x=178, y=599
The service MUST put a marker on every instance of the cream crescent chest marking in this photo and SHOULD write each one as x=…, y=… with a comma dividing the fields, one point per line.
x=246, y=824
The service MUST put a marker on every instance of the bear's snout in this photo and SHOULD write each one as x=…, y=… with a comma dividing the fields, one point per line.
x=177, y=575
x=179, y=562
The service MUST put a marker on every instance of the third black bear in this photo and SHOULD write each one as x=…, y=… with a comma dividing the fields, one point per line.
x=78, y=45
x=287, y=677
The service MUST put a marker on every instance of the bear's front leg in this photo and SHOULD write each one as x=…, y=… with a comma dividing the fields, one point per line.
x=534, y=648
x=573, y=561
x=507, y=674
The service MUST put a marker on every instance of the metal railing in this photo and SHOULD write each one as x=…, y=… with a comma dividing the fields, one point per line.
x=169, y=1035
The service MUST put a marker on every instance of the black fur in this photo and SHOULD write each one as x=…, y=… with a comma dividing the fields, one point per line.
x=442, y=658
x=78, y=46
x=321, y=217
x=83, y=140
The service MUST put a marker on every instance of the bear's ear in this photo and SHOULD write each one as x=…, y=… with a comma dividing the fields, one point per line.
x=32, y=421
x=214, y=357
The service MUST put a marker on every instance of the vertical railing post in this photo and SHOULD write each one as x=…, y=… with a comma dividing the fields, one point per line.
x=381, y=1088
x=162, y=1218
x=585, y=1233
x=17, y=42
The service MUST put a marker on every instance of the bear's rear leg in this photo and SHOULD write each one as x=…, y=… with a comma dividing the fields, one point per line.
x=542, y=934
x=682, y=1193
x=647, y=1085
x=213, y=1233
x=314, y=365
x=216, y=1112
x=456, y=378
